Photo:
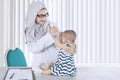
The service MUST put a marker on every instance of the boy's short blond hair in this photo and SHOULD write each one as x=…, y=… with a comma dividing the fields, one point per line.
x=71, y=35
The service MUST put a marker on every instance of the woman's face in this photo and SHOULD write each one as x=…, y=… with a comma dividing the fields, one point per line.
x=41, y=16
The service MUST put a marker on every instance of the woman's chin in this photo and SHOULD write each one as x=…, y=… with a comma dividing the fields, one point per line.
x=41, y=23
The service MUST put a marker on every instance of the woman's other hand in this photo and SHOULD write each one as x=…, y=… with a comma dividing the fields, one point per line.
x=71, y=49
x=53, y=30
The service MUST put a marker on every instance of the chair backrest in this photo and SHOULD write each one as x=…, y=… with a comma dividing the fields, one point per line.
x=16, y=58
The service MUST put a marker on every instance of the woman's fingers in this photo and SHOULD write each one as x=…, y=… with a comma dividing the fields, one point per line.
x=71, y=49
x=53, y=30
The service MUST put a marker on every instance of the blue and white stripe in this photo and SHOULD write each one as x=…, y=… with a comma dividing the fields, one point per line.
x=64, y=66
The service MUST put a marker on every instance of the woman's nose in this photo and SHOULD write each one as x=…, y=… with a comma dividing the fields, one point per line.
x=44, y=18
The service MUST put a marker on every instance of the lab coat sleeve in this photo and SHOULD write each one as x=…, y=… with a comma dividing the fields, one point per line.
x=41, y=44
x=36, y=69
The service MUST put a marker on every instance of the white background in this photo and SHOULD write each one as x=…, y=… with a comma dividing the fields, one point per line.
x=97, y=23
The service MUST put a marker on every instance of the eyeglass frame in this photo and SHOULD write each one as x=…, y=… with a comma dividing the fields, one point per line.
x=41, y=15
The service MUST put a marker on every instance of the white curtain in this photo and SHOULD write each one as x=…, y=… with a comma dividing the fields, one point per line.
x=96, y=23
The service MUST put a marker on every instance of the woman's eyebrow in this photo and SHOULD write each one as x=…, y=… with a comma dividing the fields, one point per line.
x=43, y=13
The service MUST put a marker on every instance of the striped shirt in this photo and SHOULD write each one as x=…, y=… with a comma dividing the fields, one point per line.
x=64, y=66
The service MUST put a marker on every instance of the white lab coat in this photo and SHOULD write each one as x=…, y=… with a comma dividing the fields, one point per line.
x=44, y=51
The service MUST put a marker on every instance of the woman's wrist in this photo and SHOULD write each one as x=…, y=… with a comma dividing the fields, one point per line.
x=55, y=34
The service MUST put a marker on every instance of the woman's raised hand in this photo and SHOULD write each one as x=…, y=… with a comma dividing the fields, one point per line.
x=53, y=30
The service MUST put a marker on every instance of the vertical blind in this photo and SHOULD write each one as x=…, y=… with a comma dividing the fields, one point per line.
x=96, y=22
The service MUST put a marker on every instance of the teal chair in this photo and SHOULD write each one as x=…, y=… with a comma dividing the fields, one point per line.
x=16, y=58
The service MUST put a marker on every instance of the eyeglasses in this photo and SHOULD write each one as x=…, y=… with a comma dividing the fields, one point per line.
x=43, y=15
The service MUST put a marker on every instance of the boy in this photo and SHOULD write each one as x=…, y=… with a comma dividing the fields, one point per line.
x=65, y=62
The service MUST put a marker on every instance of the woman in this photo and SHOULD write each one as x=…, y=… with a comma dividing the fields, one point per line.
x=40, y=36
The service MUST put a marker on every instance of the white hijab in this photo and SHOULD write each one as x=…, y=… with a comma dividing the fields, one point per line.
x=34, y=31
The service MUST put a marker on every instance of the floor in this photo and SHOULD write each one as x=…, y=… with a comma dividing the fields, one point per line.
x=88, y=73
x=84, y=73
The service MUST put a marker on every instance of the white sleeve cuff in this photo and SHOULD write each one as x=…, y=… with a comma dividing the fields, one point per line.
x=37, y=69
